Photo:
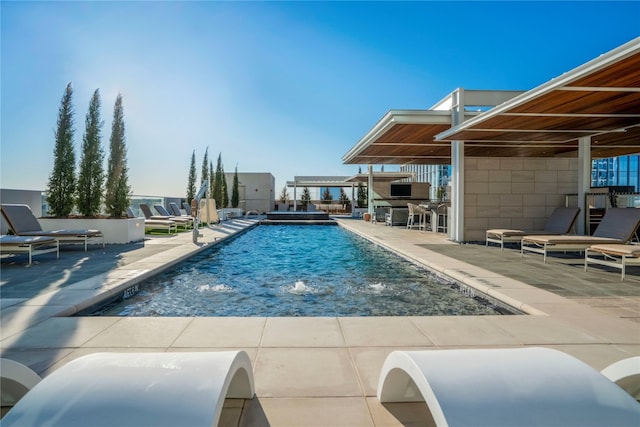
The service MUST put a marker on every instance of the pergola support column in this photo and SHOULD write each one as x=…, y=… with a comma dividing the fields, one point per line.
x=455, y=226
x=584, y=179
x=370, y=191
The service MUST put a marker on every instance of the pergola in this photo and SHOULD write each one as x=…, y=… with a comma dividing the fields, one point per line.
x=345, y=181
x=592, y=111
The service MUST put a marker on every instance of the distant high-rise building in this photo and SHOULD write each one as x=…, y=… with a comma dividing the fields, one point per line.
x=623, y=171
x=436, y=175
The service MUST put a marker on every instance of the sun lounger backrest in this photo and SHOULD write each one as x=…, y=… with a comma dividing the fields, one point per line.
x=161, y=210
x=561, y=220
x=20, y=218
x=619, y=223
x=145, y=210
x=175, y=209
x=187, y=208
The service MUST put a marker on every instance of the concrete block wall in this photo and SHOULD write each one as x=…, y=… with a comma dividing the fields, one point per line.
x=520, y=193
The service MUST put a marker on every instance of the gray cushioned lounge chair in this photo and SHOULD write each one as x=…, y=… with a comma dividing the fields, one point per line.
x=616, y=256
x=618, y=226
x=182, y=221
x=561, y=221
x=31, y=245
x=22, y=222
x=156, y=224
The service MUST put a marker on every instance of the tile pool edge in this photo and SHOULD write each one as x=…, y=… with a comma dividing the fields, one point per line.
x=458, y=276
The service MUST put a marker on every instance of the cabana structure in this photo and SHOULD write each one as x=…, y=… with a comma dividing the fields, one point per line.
x=516, y=155
x=371, y=179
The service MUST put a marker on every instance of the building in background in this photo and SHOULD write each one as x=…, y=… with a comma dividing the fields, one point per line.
x=621, y=171
x=438, y=176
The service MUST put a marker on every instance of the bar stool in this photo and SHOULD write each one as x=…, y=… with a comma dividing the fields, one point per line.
x=441, y=218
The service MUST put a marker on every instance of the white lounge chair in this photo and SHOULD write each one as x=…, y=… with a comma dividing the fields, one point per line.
x=506, y=387
x=30, y=245
x=618, y=226
x=561, y=221
x=625, y=373
x=23, y=222
x=137, y=389
x=16, y=380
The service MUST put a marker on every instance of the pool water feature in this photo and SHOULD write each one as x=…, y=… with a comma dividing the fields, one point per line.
x=284, y=270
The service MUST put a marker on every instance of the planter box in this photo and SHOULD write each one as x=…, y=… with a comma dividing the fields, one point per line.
x=121, y=230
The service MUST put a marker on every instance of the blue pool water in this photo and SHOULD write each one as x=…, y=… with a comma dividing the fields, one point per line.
x=298, y=271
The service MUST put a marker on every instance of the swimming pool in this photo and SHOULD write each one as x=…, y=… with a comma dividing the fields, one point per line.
x=294, y=270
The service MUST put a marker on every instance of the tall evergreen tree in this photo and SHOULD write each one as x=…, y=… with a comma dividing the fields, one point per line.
x=326, y=195
x=362, y=193
x=91, y=177
x=284, y=195
x=118, y=190
x=344, y=199
x=62, y=182
x=212, y=180
x=217, y=183
x=305, y=199
x=205, y=167
x=225, y=189
x=235, y=191
x=191, y=185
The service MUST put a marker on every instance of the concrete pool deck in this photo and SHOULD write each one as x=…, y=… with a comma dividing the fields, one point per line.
x=318, y=371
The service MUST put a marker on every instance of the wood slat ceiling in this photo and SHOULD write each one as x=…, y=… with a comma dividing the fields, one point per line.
x=603, y=104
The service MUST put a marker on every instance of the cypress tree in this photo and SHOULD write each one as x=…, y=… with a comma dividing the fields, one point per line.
x=284, y=195
x=225, y=189
x=91, y=177
x=62, y=182
x=343, y=198
x=118, y=190
x=205, y=167
x=191, y=185
x=217, y=183
x=212, y=182
x=362, y=193
x=305, y=199
x=326, y=195
x=235, y=191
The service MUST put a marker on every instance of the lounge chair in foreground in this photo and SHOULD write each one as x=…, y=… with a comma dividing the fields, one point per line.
x=561, y=221
x=156, y=224
x=625, y=373
x=30, y=245
x=506, y=387
x=182, y=221
x=616, y=256
x=618, y=226
x=137, y=389
x=16, y=380
x=22, y=222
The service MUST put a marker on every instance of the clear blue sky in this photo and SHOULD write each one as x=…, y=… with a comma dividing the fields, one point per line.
x=280, y=87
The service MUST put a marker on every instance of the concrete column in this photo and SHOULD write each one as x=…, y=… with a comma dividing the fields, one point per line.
x=456, y=218
x=370, y=191
x=455, y=230
x=295, y=199
x=584, y=180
